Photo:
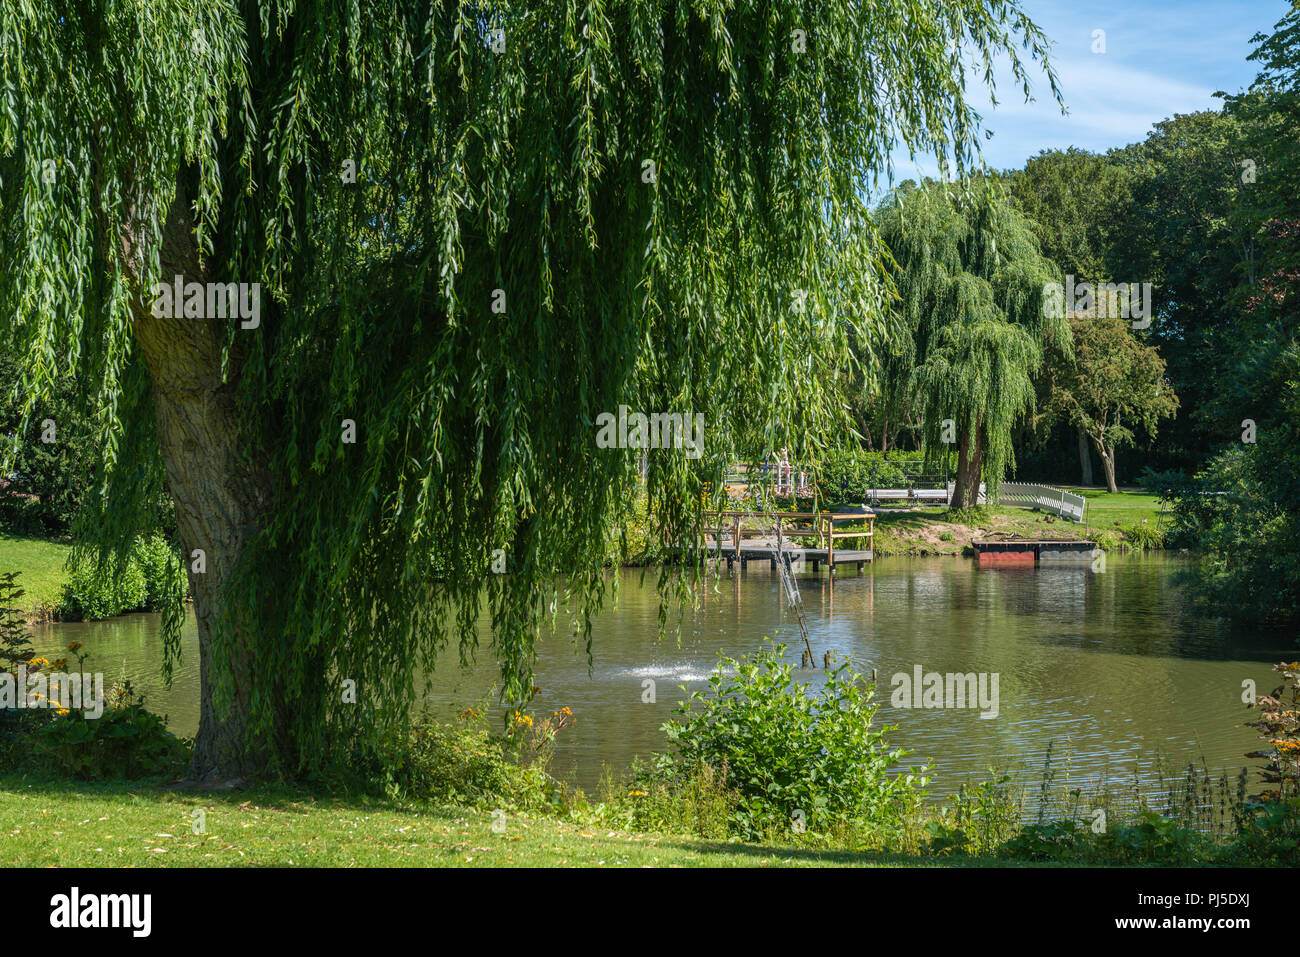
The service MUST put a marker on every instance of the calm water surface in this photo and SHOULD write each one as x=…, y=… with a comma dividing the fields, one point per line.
x=1112, y=668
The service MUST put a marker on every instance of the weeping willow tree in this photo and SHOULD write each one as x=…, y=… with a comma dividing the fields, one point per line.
x=970, y=282
x=474, y=228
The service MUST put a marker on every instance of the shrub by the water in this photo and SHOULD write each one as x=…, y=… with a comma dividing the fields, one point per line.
x=160, y=564
x=1143, y=535
x=127, y=742
x=1150, y=839
x=464, y=763
x=149, y=575
x=97, y=590
x=780, y=758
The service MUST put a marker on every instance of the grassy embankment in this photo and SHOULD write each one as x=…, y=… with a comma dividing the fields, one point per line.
x=1119, y=520
x=1126, y=519
x=40, y=563
x=130, y=825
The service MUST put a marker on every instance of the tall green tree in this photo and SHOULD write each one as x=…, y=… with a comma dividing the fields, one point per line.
x=1074, y=200
x=1112, y=384
x=1184, y=232
x=1246, y=528
x=475, y=227
x=970, y=280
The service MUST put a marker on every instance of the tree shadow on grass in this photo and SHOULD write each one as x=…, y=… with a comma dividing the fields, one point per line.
x=271, y=797
x=773, y=854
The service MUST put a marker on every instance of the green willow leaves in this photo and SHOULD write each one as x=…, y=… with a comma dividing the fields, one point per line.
x=477, y=168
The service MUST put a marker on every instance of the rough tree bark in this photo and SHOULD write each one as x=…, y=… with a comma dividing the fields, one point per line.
x=1107, y=457
x=220, y=493
x=970, y=463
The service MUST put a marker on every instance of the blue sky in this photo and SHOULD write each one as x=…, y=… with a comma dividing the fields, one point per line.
x=1162, y=57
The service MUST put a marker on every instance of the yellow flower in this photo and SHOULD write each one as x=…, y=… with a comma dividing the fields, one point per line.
x=75, y=646
x=639, y=794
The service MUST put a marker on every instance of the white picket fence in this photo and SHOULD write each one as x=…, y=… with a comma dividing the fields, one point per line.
x=1049, y=499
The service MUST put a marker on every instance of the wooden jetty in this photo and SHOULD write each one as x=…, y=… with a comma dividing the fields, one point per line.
x=728, y=531
x=993, y=552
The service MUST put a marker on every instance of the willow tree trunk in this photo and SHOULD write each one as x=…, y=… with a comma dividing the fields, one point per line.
x=1085, y=458
x=970, y=462
x=220, y=492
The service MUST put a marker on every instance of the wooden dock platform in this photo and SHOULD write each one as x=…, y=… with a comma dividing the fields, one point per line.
x=729, y=530
x=1018, y=551
x=816, y=557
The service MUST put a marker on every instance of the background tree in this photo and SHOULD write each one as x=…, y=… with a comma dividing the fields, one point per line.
x=1184, y=234
x=469, y=245
x=1239, y=512
x=970, y=282
x=1112, y=384
x=1074, y=201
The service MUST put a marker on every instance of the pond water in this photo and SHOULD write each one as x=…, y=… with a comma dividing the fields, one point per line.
x=1113, y=668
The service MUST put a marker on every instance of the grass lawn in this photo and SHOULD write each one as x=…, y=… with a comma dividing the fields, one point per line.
x=1106, y=508
x=45, y=824
x=40, y=563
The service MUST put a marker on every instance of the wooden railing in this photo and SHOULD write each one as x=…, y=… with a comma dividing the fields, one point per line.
x=783, y=525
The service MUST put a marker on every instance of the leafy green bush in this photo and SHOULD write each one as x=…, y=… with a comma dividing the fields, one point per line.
x=126, y=742
x=700, y=803
x=849, y=476
x=1143, y=535
x=164, y=578
x=461, y=764
x=982, y=816
x=794, y=760
x=1054, y=841
x=150, y=576
x=98, y=590
x=1151, y=839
